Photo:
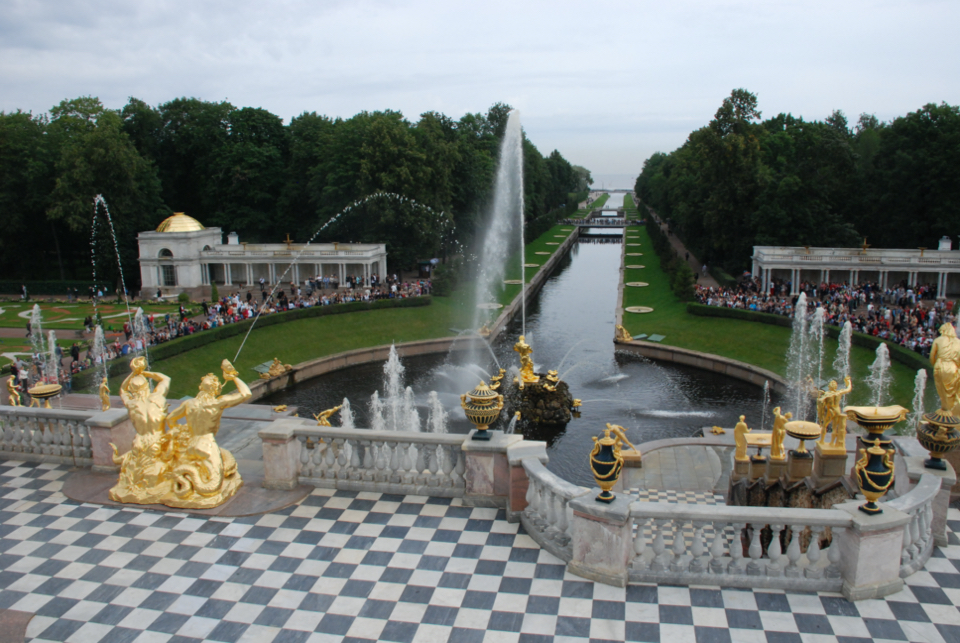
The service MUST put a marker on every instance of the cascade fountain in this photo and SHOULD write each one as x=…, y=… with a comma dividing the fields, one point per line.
x=919, y=393
x=99, y=201
x=798, y=361
x=36, y=330
x=51, y=369
x=841, y=364
x=879, y=378
x=346, y=415
x=98, y=353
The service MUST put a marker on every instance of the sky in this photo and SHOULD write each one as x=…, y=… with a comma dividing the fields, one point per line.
x=607, y=83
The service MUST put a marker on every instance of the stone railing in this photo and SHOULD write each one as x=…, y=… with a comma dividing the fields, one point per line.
x=918, y=540
x=548, y=517
x=737, y=546
x=45, y=435
x=420, y=464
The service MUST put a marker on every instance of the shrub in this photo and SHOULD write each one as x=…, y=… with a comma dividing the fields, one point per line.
x=446, y=277
x=214, y=293
x=183, y=298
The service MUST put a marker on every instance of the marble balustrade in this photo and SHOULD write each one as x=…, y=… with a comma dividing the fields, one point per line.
x=45, y=435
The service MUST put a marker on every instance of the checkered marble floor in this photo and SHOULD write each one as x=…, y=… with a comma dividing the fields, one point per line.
x=366, y=567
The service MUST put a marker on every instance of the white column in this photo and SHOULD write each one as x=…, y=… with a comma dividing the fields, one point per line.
x=826, y=276
x=296, y=273
x=249, y=274
x=227, y=274
x=342, y=272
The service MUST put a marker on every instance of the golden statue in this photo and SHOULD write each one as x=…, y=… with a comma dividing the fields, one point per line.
x=527, y=376
x=104, y=395
x=621, y=334
x=740, y=437
x=717, y=430
x=945, y=357
x=323, y=417
x=779, y=433
x=14, y=399
x=276, y=369
x=484, y=330
x=143, y=469
x=553, y=380
x=280, y=408
x=621, y=434
x=829, y=413
x=204, y=475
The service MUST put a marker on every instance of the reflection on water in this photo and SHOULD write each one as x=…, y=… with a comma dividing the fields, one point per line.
x=570, y=324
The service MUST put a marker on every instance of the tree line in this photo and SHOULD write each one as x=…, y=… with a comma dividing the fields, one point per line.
x=740, y=181
x=243, y=169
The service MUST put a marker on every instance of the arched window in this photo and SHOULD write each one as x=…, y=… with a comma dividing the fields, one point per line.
x=168, y=272
x=206, y=249
x=165, y=254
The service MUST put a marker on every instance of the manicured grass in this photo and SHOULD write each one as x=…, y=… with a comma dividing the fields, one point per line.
x=59, y=316
x=761, y=344
x=596, y=205
x=628, y=205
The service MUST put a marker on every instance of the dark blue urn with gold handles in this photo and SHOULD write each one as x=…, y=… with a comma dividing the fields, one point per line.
x=874, y=472
x=606, y=463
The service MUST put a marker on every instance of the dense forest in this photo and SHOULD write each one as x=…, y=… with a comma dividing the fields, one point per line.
x=244, y=170
x=741, y=181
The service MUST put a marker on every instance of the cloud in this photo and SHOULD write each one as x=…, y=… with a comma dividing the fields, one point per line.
x=606, y=83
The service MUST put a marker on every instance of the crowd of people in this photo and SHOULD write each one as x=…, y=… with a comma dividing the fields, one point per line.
x=161, y=328
x=905, y=314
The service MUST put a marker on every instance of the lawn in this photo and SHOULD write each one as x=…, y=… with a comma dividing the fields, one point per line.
x=761, y=344
x=596, y=205
x=60, y=316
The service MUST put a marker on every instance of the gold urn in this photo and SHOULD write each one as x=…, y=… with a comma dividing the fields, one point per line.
x=45, y=392
x=802, y=430
x=874, y=474
x=938, y=433
x=482, y=406
x=875, y=420
x=606, y=463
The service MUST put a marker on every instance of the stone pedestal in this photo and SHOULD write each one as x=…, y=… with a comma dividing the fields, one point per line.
x=775, y=469
x=870, y=552
x=109, y=427
x=741, y=469
x=829, y=465
x=799, y=466
x=518, y=481
x=602, y=542
x=281, y=454
x=758, y=467
x=948, y=478
x=486, y=470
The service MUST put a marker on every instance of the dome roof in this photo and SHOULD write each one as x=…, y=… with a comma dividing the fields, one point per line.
x=180, y=222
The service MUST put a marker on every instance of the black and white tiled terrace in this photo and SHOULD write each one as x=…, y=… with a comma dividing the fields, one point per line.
x=367, y=567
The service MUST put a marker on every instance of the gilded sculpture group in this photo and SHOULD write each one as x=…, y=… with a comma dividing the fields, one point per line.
x=173, y=463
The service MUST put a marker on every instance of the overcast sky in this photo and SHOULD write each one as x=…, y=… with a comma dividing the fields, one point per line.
x=606, y=83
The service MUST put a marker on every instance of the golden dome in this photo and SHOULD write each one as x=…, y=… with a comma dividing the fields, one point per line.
x=180, y=222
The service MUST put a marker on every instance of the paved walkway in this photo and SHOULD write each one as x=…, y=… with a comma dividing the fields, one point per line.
x=369, y=567
x=696, y=265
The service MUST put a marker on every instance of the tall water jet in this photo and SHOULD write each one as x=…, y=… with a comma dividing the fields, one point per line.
x=816, y=336
x=437, y=416
x=99, y=201
x=98, y=354
x=347, y=420
x=505, y=227
x=51, y=369
x=798, y=361
x=139, y=329
x=919, y=393
x=377, y=423
x=841, y=363
x=766, y=405
x=36, y=331
x=879, y=378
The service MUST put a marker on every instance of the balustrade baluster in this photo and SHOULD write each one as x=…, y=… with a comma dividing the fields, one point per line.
x=7, y=432
x=906, y=554
x=406, y=462
x=718, y=547
x=697, y=549
x=46, y=438
x=355, y=460
x=383, y=460
x=563, y=522
x=421, y=465
x=306, y=466
x=774, y=551
x=639, y=544
x=531, y=509
x=927, y=523
x=736, y=550
x=433, y=465
x=369, y=460
x=553, y=519
x=448, y=465
x=65, y=451
x=833, y=570
x=813, y=570
x=458, y=479
x=87, y=445
x=755, y=567
x=21, y=439
x=659, y=546
x=679, y=547
x=914, y=527
x=342, y=459
x=37, y=430
x=395, y=473
x=793, y=552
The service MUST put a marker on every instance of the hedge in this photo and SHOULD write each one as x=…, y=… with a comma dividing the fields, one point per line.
x=903, y=355
x=49, y=287
x=723, y=277
x=85, y=379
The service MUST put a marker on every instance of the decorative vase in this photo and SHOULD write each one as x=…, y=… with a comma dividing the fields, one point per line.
x=481, y=406
x=874, y=472
x=802, y=430
x=875, y=420
x=938, y=434
x=606, y=463
x=45, y=392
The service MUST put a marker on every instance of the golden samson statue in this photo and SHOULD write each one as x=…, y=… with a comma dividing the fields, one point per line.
x=174, y=464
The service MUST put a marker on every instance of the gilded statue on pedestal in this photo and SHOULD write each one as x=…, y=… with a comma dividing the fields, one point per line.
x=829, y=412
x=779, y=433
x=740, y=432
x=143, y=469
x=104, y=391
x=204, y=475
x=14, y=399
x=181, y=466
x=621, y=334
x=276, y=369
x=527, y=375
x=945, y=357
